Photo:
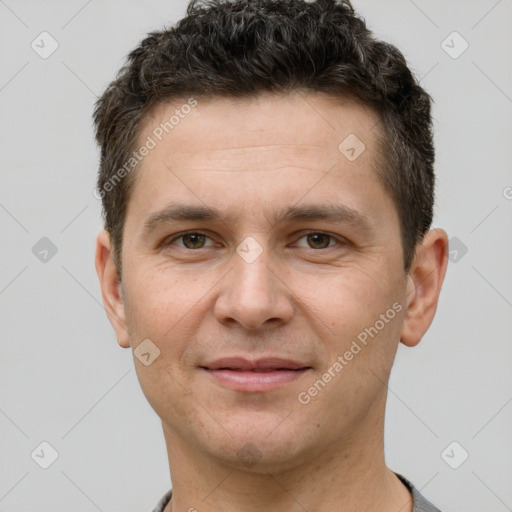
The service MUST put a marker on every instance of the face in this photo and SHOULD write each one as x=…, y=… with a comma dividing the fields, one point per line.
x=262, y=260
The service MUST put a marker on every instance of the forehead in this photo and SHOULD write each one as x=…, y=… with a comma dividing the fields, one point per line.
x=203, y=147
x=312, y=120
x=260, y=133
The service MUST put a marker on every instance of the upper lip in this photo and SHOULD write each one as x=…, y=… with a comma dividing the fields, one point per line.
x=265, y=363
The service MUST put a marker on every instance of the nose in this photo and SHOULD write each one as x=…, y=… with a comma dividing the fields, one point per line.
x=254, y=295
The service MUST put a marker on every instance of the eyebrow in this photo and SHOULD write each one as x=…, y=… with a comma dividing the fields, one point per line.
x=333, y=213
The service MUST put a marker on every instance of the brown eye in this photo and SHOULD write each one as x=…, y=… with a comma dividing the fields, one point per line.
x=318, y=240
x=193, y=240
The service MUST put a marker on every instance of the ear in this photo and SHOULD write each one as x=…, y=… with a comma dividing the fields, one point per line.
x=425, y=279
x=111, y=289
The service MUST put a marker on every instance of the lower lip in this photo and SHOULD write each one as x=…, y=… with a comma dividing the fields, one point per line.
x=250, y=381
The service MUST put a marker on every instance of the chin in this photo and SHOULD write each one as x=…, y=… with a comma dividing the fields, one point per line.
x=257, y=442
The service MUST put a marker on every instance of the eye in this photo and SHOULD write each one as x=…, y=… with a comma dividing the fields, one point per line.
x=194, y=240
x=191, y=240
x=318, y=240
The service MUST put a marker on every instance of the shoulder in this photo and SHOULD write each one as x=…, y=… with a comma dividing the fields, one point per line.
x=419, y=503
x=163, y=502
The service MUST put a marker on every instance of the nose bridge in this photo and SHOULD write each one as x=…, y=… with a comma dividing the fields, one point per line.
x=253, y=295
x=253, y=278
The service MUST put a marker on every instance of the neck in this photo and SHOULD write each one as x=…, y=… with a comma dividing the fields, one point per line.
x=350, y=475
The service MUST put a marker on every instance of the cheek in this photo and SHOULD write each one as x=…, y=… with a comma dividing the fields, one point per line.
x=159, y=306
x=158, y=299
x=358, y=318
x=348, y=298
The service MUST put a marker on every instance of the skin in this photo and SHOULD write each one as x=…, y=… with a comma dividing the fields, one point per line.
x=304, y=298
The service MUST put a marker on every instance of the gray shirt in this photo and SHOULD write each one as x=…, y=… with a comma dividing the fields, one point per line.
x=419, y=503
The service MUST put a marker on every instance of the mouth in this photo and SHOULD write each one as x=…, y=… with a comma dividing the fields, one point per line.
x=260, y=375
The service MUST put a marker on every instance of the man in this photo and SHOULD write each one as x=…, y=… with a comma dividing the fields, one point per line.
x=267, y=182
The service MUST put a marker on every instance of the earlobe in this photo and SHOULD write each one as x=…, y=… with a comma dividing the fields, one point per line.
x=111, y=289
x=424, y=283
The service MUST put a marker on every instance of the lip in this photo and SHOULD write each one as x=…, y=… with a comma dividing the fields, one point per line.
x=263, y=374
x=264, y=363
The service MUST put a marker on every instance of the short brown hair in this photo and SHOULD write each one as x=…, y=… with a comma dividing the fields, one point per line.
x=240, y=48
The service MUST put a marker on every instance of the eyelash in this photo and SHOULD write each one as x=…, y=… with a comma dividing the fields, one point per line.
x=339, y=241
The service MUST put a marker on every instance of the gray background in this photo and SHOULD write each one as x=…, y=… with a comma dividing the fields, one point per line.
x=64, y=379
